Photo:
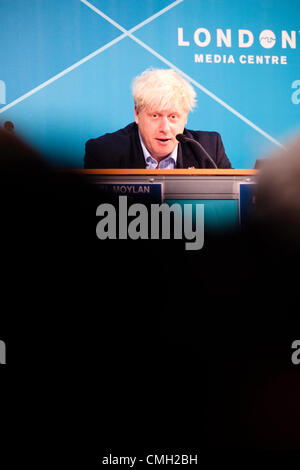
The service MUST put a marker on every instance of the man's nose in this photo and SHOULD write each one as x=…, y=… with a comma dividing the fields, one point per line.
x=164, y=124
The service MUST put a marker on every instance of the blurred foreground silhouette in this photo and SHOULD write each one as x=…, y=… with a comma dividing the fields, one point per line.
x=135, y=345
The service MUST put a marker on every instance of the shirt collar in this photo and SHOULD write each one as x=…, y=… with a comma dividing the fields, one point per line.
x=173, y=155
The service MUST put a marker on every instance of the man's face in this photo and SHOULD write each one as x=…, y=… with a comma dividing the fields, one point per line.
x=159, y=128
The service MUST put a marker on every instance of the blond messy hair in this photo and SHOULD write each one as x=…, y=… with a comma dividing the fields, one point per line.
x=162, y=89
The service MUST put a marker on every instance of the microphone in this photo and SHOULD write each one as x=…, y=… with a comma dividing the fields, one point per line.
x=183, y=139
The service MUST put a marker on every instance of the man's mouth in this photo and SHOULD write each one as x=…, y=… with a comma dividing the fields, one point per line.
x=163, y=140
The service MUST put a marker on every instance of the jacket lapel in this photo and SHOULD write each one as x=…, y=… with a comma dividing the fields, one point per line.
x=138, y=159
x=179, y=157
x=190, y=153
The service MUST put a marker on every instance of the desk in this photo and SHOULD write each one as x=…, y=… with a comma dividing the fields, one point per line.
x=218, y=190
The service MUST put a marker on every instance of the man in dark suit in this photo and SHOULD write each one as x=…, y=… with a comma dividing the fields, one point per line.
x=162, y=101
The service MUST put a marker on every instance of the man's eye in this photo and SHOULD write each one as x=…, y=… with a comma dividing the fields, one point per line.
x=173, y=116
x=154, y=115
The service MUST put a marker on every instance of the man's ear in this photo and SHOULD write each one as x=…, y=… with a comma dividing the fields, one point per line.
x=186, y=119
x=136, y=115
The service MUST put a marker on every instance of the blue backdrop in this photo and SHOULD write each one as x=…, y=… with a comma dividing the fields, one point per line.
x=66, y=68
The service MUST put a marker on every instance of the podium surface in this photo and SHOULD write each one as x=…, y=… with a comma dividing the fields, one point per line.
x=218, y=190
x=181, y=183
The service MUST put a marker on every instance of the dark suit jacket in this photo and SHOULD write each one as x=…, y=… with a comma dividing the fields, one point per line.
x=122, y=149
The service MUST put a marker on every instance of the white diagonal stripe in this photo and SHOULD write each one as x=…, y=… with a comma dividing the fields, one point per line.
x=89, y=56
x=198, y=85
x=61, y=74
x=114, y=23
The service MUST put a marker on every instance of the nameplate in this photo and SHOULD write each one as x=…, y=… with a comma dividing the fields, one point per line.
x=247, y=202
x=151, y=193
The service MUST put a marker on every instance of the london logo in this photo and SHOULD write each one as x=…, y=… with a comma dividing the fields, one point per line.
x=244, y=39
